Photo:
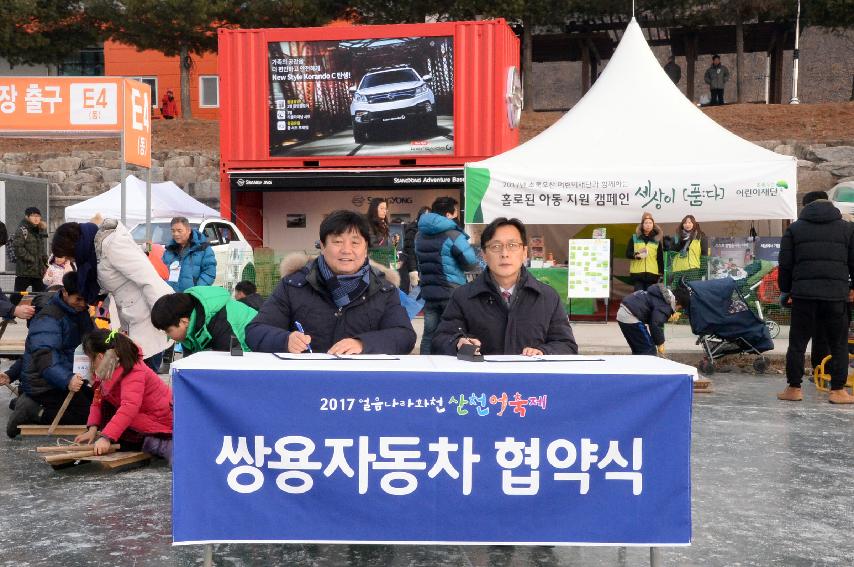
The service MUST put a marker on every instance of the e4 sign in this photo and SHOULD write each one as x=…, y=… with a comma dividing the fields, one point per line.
x=136, y=132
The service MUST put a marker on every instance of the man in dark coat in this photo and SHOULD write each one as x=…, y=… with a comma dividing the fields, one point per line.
x=505, y=310
x=30, y=243
x=7, y=309
x=408, y=259
x=246, y=292
x=673, y=70
x=816, y=268
x=337, y=303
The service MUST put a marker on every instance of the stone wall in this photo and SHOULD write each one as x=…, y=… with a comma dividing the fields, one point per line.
x=820, y=166
x=83, y=174
x=825, y=73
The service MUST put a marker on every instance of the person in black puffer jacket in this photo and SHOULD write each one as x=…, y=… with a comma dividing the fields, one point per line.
x=642, y=316
x=408, y=261
x=816, y=268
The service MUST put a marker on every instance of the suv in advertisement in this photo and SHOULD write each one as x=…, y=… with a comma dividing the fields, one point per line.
x=390, y=96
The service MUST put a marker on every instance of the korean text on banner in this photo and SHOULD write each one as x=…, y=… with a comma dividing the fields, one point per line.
x=404, y=455
x=136, y=130
x=59, y=104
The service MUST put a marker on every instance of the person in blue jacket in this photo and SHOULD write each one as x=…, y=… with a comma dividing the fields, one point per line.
x=444, y=255
x=46, y=372
x=189, y=257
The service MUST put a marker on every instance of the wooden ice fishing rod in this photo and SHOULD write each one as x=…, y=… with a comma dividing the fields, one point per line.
x=85, y=453
x=69, y=448
x=60, y=413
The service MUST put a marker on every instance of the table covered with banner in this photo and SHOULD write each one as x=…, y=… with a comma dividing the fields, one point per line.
x=417, y=449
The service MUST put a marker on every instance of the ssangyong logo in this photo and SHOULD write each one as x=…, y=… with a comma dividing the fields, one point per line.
x=358, y=201
x=241, y=182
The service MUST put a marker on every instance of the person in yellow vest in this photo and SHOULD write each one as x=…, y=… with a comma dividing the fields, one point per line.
x=690, y=245
x=646, y=252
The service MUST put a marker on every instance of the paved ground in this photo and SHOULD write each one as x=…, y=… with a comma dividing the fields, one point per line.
x=771, y=486
x=592, y=338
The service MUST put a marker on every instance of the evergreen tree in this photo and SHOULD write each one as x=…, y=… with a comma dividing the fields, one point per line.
x=45, y=32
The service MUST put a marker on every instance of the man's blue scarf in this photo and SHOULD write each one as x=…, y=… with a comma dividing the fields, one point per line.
x=344, y=289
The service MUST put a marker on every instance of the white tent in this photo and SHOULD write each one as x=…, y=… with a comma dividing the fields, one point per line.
x=634, y=143
x=167, y=200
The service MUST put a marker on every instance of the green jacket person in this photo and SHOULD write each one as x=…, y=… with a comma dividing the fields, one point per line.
x=203, y=318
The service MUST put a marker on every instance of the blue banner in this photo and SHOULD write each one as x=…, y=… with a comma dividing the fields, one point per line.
x=312, y=456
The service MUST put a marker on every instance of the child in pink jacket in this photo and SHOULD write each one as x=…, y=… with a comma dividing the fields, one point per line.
x=57, y=267
x=132, y=405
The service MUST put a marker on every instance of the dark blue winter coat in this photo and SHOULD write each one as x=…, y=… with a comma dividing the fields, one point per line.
x=377, y=318
x=7, y=309
x=48, y=359
x=653, y=307
x=444, y=254
x=198, y=262
x=535, y=318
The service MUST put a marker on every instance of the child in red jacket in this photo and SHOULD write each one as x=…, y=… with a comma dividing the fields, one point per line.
x=132, y=405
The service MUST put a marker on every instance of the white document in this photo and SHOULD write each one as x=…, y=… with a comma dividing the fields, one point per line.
x=366, y=357
x=540, y=358
x=174, y=271
x=326, y=356
x=509, y=358
x=304, y=356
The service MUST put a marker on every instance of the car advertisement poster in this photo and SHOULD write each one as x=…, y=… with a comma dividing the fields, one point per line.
x=362, y=97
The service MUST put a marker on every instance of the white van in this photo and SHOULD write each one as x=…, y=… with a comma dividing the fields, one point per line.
x=235, y=260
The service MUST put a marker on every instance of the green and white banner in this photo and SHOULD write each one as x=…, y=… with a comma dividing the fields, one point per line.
x=761, y=191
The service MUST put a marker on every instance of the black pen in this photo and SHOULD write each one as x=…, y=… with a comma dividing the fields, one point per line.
x=466, y=336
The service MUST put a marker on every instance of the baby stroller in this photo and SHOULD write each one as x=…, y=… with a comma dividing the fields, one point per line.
x=725, y=325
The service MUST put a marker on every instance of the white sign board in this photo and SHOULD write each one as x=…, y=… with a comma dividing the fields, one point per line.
x=589, y=268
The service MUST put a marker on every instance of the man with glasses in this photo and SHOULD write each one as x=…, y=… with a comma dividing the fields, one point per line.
x=505, y=310
x=336, y=303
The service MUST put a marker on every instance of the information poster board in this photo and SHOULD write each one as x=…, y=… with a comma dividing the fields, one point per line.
x=768, y=248
x=729, y=258
x=383, y=96
x=589, y=268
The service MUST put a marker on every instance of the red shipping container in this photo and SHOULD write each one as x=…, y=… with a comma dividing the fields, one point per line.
x=407, y=96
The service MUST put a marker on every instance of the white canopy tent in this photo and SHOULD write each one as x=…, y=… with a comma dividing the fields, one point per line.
x=633, y=143
x=167, y=200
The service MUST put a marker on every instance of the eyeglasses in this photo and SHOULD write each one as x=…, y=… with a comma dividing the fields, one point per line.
x=497, y=247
